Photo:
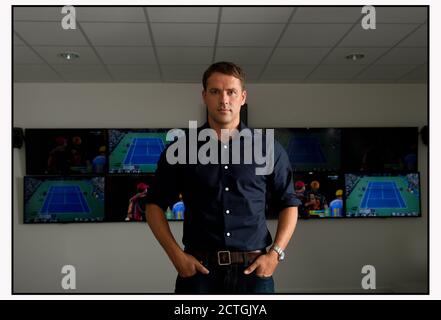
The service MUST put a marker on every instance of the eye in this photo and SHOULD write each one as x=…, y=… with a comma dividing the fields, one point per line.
x=231, y=92
x=213, y=91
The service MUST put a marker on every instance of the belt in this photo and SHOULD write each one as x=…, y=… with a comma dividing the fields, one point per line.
x=225, y=257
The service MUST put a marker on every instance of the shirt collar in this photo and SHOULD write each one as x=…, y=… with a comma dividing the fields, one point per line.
x=242, y=126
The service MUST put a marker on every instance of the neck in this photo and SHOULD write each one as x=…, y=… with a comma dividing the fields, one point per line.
x=218, y=126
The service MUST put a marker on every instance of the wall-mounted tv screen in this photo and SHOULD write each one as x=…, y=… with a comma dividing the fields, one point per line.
x=315, y=149
x=135, y=150
x=382, y=195
x=380, y=149
x=127, y=198
x=63, y=199
x=321, y=194
x=65, y=151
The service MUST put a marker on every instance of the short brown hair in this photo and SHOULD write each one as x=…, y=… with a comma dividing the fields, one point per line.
x=228, y=68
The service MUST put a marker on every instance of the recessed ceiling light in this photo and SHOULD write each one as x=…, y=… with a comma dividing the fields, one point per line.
x=355, y=56
x=69, y=55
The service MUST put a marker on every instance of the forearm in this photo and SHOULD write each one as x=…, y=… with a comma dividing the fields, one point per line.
x=286, y=226
x=161, y=230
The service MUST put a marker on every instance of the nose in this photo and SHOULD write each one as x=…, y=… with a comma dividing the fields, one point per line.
x=224, y=98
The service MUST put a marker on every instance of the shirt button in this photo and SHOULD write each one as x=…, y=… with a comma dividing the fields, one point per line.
x=228, y=234
x=226, y=189
x=225, y=147
x=227, y=211
x=226, y=167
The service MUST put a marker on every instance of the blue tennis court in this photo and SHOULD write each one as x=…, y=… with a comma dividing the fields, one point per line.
x=64, y=199
x=305, y=150
x=382, y=195
x=144, y=151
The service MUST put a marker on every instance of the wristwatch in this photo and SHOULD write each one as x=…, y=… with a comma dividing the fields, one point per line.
x=279, y=251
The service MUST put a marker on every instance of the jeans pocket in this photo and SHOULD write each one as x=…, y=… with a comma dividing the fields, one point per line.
x=259, y=284
x=195, y=284
x=184, y=284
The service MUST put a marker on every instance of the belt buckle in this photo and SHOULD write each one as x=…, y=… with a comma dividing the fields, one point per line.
x=221, y=258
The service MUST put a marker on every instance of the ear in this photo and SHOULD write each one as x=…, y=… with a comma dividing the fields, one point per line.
x=244, y=97
x=204, y=96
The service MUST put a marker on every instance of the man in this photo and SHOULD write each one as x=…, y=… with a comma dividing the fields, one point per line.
x=300, y=189
x=58, y=157
x=178, y=209
x=313, y=203
x=225, y=232
x=99, y=162
x=135, y=210
x=336, y=205
x=315, y=200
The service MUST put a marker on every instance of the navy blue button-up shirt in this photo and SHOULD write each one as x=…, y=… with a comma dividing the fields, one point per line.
x=225, y=203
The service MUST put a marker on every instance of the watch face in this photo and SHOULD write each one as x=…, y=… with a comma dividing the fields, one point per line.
x=282, y=256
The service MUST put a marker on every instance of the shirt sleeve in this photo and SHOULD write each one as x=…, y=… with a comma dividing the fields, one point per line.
x=164, y=190
x=281, y=181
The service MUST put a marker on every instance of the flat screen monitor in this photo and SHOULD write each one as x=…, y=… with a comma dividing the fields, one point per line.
x=135, y=150
x=63, y=199
x=65, y=151
x=382, y=195
x=315, y=149
x=380, y=149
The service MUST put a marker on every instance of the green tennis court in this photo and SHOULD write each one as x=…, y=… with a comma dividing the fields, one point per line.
x=138, y=152
x=64, y=201
x=382, y=196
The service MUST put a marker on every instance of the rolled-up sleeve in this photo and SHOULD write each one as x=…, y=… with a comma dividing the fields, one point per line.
x=281, y=181
x=165, y=188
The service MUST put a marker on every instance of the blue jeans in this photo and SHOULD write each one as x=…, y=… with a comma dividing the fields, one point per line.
x=228, y=279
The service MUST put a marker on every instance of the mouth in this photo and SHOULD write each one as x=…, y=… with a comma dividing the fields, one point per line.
x=224, y=111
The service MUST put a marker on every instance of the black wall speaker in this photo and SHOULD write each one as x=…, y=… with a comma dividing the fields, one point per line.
x=17, y=137
x=425, y=135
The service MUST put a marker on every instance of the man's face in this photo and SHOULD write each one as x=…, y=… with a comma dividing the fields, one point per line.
x=224, y=97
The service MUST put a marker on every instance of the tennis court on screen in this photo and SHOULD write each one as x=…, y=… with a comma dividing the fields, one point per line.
x=382, y=194
x=144, y=151
x=64, y=199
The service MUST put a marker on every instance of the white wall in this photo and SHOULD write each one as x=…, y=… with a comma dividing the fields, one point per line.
x=323, y=256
